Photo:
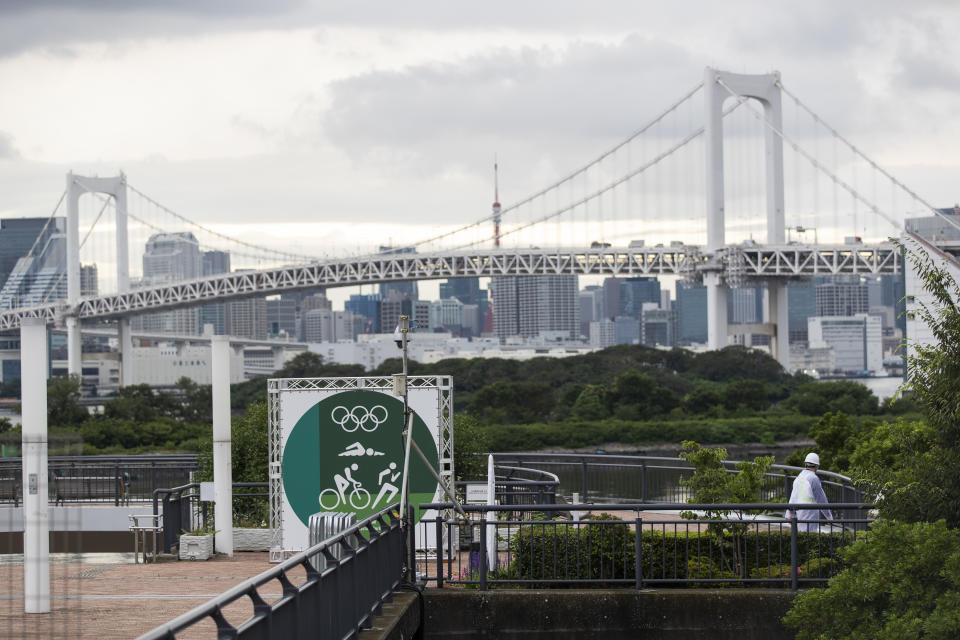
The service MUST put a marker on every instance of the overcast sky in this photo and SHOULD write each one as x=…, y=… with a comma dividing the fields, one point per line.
x=366, y=119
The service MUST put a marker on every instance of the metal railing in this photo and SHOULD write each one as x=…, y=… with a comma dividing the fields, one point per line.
x=101, y=479
x=613, y=478
x=334, y=603
x=518, y=485
x=637, y=545
x=180, y=508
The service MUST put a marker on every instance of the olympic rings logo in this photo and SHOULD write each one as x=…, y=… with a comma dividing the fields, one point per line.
x=359, y=417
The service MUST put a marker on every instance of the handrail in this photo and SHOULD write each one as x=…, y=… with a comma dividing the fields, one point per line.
x=371, y=567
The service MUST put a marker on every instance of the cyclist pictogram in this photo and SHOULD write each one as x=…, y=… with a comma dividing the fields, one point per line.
x=359, y=498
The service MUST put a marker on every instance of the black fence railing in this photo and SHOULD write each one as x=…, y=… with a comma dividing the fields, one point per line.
x=181, y=510
x=100, y=479
x=363, y=565
x=640, y=545
x=620, y=478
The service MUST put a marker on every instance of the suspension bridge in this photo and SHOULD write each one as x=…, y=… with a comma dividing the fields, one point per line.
x=724, y=187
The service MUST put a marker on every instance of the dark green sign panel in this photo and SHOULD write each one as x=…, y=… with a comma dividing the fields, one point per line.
x=346, y=454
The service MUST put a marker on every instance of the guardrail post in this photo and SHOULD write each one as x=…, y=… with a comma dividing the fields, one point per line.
x=794, y=552
x=787, y=484
x=116, y=485
x=638, y=552
x=643, y=481
x=412, y=534
x=440, y=550
x=583, y=480
x=483, y=551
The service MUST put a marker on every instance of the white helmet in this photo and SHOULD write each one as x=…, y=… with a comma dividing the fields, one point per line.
x=812, y=458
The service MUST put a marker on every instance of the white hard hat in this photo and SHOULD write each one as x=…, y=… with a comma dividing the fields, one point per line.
x=812, y=458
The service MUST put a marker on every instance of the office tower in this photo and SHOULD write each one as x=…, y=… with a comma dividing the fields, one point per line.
x=168, y=258
x=626, y=330
x=691, y=308
x=591, y=307
x=531, y=305
x=845, y=295
x=745, y=305
x=18, y=235
x=326, y=325
x=39, y=276
x=417, y=311
x=282, y=317
x=247, y=318
x=635, y=292
x=801, y=305
x=466, y=290
x=366, y=306
x=611, y=297
x=89, y=281
x=658, y=326
x=603, y=333
x=447, y=314
x=214, y=263
x=856, y=340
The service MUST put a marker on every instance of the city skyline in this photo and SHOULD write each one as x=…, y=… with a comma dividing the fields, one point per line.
x=282, y=124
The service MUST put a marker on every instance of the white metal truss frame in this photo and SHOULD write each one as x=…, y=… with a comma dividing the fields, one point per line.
x=277, y=386
x=685, y=261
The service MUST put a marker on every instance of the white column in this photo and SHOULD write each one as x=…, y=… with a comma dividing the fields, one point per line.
x=714, y=96
x=780, y=315
x=123, y=257
x=74, y=191
x=74, y=347
x=36, y=533
x=125, y=344
x=222, y=469
x=278, y=358
x=716, y=311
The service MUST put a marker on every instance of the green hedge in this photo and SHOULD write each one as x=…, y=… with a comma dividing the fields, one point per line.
x=604, y=550
x=530, y=437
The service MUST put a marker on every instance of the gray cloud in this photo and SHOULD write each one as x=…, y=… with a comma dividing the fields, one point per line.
x=7, y=150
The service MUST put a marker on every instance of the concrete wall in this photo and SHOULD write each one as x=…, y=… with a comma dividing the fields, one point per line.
x=740, y=614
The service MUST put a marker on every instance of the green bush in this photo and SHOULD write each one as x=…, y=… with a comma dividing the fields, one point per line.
x=603, y=550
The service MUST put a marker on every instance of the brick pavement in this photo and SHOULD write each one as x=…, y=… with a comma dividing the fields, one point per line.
x=120, y=599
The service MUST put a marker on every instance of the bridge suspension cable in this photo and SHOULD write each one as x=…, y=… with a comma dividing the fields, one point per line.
x=856, y=151
x=612, y=185
x=571, y=176
x=274, y=252
x=816, y=163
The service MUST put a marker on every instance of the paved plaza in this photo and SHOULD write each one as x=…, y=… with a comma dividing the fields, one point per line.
x=108, y=597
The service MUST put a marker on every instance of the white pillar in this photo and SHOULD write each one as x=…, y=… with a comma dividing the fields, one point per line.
x=780, y=316
x=222, y=469
x=716, y=311
x=123, y=257
x=714, y=96
x=125, y=344
x=278, y=358
x=74, y=347
x=36, y=533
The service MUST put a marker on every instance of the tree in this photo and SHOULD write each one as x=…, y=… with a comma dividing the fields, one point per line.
x=837, y=438
x=591, y=404
x=903, y=582
x=469, y=440
x=712, y=483
x=63, y=402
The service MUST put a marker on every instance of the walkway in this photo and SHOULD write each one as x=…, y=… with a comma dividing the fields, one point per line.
x=107, y=597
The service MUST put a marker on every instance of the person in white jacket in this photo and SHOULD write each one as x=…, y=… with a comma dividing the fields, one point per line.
x=807, y=489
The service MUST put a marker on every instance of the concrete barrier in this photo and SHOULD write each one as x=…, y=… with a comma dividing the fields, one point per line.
x=711, y=614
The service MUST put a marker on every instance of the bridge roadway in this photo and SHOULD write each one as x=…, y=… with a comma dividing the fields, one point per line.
x=739, y=264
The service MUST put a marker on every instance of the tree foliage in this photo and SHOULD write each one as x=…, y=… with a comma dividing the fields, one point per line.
x=903, y=581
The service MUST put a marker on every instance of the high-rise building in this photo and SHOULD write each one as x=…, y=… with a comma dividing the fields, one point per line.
x=801, y=304
x=326, y=325
x=447, y=314
x=466, y=290
x=635, y=292
x=591, y=307
x=626, y=330
x=527, y=306
x=602, y=333
x=171, y=257
x=691, y=309
x=282, y=317
x=366, y=306
x=39, y=276
x=247, y=318
x=658, y=326
x=18, y=235
x=214, y=263
x=417, y=311
x=844, y=295
x=89, y=281
x=856, y=340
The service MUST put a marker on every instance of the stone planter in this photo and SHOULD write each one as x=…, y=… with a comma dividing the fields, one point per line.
x=196, y=547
